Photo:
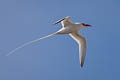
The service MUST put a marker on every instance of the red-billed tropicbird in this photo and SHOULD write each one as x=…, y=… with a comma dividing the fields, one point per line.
x=67, y=28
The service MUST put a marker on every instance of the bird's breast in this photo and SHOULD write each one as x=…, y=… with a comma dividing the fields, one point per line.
x=65, y=30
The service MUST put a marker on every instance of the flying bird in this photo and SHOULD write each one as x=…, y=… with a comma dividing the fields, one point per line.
x=67, y=28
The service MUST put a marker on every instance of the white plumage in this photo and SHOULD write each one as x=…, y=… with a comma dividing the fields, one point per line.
x=67, y=28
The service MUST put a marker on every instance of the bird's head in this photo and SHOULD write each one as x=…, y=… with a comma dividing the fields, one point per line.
x=64, y=19
x=86, y=25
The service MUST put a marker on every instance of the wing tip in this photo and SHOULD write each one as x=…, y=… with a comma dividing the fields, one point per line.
x=81, y=65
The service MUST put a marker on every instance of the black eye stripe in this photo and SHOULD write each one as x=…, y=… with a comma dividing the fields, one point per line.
x=83, y=23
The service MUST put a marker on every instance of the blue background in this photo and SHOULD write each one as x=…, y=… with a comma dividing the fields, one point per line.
x=56, y=58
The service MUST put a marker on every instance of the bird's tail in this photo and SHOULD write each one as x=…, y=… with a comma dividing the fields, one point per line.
x=30, y=42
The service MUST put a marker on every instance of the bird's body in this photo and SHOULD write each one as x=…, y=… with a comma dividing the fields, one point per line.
x=67, y=28
x=70, y=28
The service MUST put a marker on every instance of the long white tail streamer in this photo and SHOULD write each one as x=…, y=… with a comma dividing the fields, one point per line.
x=30, y=42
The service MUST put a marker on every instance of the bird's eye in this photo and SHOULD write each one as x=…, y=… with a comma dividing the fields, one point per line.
x=83, y=23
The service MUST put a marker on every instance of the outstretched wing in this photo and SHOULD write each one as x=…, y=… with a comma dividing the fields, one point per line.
x=82, y=46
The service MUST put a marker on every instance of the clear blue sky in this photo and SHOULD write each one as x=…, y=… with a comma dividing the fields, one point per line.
x=56, y=58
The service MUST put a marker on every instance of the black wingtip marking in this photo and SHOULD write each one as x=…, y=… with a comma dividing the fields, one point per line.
x=81, y=64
